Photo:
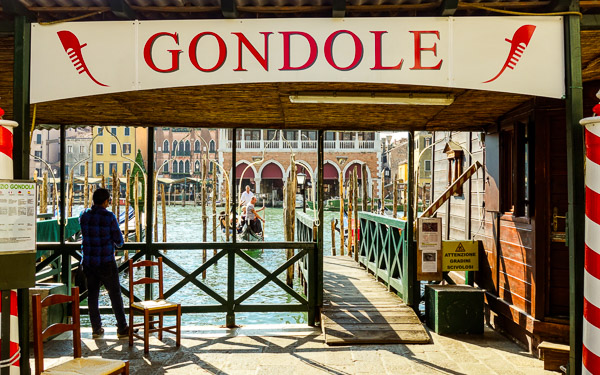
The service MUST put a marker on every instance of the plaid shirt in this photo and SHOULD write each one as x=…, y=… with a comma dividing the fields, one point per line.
x=101, y=233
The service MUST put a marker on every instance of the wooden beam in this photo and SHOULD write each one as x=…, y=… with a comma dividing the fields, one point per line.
x=590, y=22
x=121, y=9
x=16, y=8
x=559, y=5
x=229, y=9
x=339, y=8
x=448, y=7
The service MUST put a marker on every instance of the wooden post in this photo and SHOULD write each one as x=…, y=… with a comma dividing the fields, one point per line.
x=136, y=208
x=289, y=215
x=356, y=224
x=155, y=213
x=342, y=204
x=372, y=198
x=115, y=187
x=395, y=207
x=103, y=184
x=71, y=192
x=350, y=209
x=164, y=213
x=365, y=190
x=183, y=193
x=382, y=194
x=44, y=194
x=91, y=196
x=127, y=194
x=227, y=208
x=214, y=208
x=204, y=217
x=333, y=237
x=85, y=186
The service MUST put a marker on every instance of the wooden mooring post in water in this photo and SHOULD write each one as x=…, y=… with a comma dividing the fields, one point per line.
x=70, y=199
x=85, y=186
x=395, y=208
x=136, y=208
x=356, y=225
x=204, y=217
x=214, y=208
x=332, y=237
x=350, y=209
x=164, y=214
x=342, y=204
x=289, y=216
x=44, y=194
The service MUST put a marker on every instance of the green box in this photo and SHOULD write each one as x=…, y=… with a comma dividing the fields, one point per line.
x=454, y=309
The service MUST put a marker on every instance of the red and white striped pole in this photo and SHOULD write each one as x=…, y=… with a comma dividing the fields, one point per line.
x=591, y=286
x=6, y=172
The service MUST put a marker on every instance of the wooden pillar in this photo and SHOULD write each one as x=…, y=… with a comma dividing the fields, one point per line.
x=364, y=180
x=44, y=194
x=395, y=201
x=136, y=208
x=576, y=182
x=214, y=208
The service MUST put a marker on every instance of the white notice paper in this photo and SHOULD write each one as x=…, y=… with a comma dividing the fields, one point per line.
x=17, y=216
x=429, y=261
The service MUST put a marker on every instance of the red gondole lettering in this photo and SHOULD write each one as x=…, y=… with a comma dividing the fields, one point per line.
x=194, y=48
x=379, y=53
x=174, y=53
x=287, y=50
x=264, y=61
x=419, y=49
x=358, y=50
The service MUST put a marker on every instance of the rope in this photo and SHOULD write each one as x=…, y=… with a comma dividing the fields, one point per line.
x=515, y=13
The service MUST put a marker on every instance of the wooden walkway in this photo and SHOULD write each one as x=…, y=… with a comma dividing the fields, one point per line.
x=359, y=310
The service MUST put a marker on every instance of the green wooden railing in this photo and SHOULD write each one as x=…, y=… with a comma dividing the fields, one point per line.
x=384, y=250
x=232, y=252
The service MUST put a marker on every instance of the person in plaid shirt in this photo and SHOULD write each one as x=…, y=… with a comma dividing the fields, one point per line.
x=100, y=234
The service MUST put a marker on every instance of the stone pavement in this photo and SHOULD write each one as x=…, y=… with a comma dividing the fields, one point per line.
x=299, y=349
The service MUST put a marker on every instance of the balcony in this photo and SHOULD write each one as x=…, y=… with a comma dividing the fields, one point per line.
x=304, y=145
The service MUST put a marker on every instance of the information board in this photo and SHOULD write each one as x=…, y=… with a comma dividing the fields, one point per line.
x=460, y=255
x=17, y=216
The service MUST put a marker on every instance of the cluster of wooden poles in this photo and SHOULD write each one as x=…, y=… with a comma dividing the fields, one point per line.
x=132, y=183
x=367, y=205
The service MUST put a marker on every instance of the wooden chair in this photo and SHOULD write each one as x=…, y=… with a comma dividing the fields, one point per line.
x=151, y=307
x=77, y=365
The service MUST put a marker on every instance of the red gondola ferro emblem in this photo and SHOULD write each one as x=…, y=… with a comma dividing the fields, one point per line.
x=519, y=42
x=73, y=49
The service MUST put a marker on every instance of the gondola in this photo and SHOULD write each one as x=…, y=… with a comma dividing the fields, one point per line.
x=244, y=234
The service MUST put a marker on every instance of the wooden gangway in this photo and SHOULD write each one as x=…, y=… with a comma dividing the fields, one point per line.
x=359, y=310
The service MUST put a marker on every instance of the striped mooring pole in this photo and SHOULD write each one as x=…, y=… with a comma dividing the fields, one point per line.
x=6, y=172
x=591, y=287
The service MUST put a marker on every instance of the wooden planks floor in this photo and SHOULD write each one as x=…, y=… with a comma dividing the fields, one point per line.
x=359, y=310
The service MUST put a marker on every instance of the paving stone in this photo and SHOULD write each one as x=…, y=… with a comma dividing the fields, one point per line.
x=306, y=354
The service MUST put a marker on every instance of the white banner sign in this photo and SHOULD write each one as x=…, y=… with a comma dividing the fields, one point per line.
x=17, y=216
x=508, y=54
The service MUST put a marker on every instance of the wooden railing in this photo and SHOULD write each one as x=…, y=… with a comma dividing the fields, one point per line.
x=230, y=253
x=305, y=232
x=384, y=251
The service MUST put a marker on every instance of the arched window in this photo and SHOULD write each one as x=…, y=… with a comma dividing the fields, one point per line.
x=166, y=168
x=181, y=167
x=166, y=146
x=197, y=148
x=175, y=167
x=187, y=166
x=174, y=147
x=181, y=149
x=187, y=148
x=210, y=167
x=211, y=146
x=197, y=166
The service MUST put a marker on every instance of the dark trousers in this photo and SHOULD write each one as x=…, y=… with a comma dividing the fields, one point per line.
x=108, y=275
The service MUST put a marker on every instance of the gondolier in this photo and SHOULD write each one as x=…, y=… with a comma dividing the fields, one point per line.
x=252, y=217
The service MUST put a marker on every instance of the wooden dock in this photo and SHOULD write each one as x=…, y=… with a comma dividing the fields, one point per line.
x=359, y=310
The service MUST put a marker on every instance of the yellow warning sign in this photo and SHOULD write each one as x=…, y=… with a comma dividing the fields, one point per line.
x=460, y=255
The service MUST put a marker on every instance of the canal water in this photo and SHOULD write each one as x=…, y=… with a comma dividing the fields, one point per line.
x=184, y=224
